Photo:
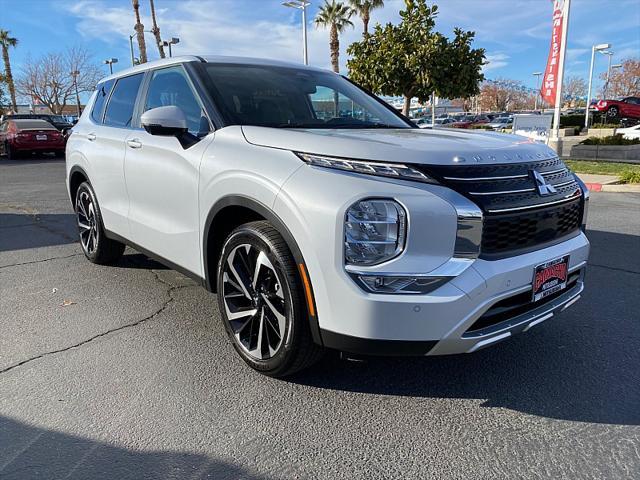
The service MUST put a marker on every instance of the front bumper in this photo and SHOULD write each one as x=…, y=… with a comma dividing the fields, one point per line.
x=444, y=324
x=352, y=320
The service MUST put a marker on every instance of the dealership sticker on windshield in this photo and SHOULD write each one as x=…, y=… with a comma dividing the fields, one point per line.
x=550, y=278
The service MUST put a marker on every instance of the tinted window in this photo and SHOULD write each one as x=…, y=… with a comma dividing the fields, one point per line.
x=33, y=125
x=123, y=100
x=170, y=86
x=101, y=98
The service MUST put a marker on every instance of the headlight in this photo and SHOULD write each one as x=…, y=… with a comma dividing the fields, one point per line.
x=375, y=231
x=392, y=170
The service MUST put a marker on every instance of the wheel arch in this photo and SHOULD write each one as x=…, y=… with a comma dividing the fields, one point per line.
x=232, y=211
x=77, y=175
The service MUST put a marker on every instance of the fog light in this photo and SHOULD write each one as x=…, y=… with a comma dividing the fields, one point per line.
x=400, y=284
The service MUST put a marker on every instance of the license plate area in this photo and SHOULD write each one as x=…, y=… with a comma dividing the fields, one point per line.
x=549, y=278
x=41, y=137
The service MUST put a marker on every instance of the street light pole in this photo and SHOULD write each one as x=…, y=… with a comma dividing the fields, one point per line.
x=606, y=83
x=75, y=74
x=301, y=5
x=133, y=59
x=537, y=75
x=168, y=43
x=110, y=62
x=594, y=49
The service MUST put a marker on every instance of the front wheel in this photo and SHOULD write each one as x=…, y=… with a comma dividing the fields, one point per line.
x=262, y=303
x=95, y=244
x=612, y=112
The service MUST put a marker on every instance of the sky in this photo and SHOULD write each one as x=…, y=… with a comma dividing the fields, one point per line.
x=514, y=33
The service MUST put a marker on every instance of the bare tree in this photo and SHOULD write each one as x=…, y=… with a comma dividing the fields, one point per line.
x=503, y=95
x=625, y=81
x=139, y=28
x=49, y=81
x=575, y=87
x=156, y=30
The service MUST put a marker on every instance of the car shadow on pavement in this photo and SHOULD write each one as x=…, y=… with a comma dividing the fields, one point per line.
x=29, y=452
x=19, y=231
x=581, y=366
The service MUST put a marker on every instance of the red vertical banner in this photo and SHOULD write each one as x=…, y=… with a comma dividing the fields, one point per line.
x=550, y=80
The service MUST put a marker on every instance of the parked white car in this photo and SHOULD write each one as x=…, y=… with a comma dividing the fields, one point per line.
x=630, y=132
x=440, y=122
x=324, y=224
x=501, y=123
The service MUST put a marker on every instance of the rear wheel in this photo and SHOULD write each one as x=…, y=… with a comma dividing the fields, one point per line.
x=8, y=151
x=95, y=244
x=262, y=303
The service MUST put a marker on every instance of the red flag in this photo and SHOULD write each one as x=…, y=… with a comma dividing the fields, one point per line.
x=550, y=80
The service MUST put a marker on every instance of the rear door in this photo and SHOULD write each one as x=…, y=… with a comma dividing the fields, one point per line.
x=109, y=129
x=162, y=175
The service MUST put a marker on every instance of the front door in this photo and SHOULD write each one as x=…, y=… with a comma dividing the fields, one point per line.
x=162, y=176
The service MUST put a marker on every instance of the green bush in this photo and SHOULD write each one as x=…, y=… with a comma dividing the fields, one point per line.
x=605, y=125
x=630, y=176
x=567, y=121
x=610, y=140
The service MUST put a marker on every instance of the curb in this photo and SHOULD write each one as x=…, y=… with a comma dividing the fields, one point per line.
x=619, y=188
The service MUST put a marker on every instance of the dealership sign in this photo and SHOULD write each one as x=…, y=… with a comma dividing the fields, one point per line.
x=551, y=78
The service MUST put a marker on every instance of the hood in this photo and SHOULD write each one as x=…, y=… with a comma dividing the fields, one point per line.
x=410, y=145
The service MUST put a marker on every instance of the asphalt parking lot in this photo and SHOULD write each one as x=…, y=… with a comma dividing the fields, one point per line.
x=125, y=372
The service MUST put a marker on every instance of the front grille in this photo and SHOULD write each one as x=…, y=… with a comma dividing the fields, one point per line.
x=520, y=230
x=516, y=215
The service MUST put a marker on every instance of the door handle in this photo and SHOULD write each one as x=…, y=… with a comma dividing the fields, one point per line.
x=134, y=143
x=91, y=137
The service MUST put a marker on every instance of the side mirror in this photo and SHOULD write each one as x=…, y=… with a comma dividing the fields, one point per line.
x=166, y=121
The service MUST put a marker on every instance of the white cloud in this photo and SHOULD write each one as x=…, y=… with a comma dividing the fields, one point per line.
x=495, y=61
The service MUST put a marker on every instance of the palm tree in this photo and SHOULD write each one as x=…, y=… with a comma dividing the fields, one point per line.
x=363, y=8
x=156, y=30
x=335, y=16
x=7, y=41
x=139, y=28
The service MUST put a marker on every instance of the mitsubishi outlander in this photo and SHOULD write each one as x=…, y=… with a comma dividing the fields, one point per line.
x=321, y=217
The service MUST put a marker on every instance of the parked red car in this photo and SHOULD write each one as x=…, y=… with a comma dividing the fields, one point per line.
x=26, y=136
x=469, y=120
x=628, y=107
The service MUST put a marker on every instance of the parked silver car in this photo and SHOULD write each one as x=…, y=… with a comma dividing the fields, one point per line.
x=320, y=216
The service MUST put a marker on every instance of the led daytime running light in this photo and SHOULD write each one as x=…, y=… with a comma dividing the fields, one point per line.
x=392, y=170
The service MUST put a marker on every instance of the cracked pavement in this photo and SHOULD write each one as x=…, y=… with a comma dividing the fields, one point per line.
x=134, y=378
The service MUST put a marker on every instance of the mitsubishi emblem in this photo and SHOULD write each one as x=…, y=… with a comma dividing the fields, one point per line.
x=542, y=186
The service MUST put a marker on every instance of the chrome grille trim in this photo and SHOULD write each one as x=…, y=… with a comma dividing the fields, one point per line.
x=567, y=198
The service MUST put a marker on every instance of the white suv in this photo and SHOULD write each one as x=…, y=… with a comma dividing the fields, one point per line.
x=320, y=216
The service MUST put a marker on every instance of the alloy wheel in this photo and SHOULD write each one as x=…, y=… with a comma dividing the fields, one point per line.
x=87, y=224
x=254, y=301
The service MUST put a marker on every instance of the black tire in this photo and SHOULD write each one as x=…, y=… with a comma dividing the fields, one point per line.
x=9, y=152
x=95, y=244
x=612, y=112
x=275, y=293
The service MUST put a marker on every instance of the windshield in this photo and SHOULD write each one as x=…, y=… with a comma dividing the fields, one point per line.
x=285, y=97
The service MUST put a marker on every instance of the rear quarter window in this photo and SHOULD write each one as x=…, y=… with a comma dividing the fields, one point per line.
x=102, y=95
